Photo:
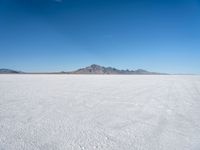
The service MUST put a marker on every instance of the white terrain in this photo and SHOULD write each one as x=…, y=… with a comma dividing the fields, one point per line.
x=99, y=112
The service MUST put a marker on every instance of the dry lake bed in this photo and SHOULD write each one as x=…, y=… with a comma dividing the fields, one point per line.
x=99, y=112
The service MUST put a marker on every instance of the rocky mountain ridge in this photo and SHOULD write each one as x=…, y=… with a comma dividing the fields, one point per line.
x=97, y=69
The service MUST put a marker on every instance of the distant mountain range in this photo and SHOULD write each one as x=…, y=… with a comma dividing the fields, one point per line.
x=92, y=69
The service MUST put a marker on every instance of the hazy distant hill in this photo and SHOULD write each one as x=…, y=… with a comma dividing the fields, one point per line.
x=97, y=69
x=8, y=71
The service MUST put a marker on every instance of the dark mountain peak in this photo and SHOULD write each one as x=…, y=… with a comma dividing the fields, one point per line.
x=92, y=69
x=95, y=66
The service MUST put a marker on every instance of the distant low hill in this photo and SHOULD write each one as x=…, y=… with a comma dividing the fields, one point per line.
x=9, y=71
x=97, y=69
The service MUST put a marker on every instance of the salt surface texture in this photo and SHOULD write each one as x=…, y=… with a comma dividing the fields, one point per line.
x=105, y=112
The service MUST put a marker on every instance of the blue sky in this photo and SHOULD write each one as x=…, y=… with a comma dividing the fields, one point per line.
x=62, y=35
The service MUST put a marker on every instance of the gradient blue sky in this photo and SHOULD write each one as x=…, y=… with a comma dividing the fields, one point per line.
x=56, y=35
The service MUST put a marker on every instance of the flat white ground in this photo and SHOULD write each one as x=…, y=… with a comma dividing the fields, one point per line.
x=107, y=112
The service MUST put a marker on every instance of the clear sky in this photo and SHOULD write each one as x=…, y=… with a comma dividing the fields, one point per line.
x=63, y=35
